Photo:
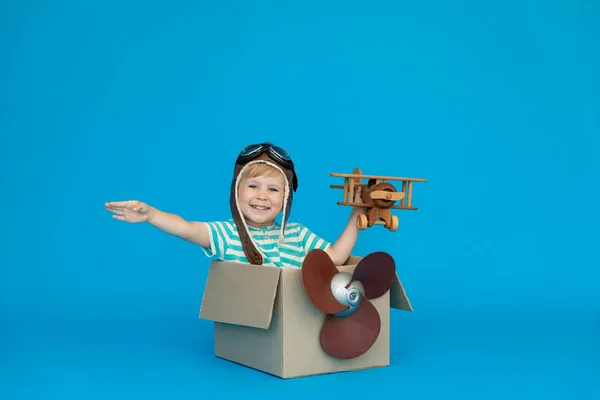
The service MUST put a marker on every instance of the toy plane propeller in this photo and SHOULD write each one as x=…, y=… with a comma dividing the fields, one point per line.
x=379, y=197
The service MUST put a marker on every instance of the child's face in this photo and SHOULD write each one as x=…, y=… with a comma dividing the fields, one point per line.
x=261, y=199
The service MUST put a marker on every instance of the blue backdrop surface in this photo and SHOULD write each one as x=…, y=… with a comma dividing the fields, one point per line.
x=496, y=104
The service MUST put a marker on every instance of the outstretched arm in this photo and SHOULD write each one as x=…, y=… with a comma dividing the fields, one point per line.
x=134, y=211
x=343, y=246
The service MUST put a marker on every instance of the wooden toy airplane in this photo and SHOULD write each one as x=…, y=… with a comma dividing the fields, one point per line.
x=378, y=196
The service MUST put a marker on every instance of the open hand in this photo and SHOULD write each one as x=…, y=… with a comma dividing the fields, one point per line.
x=132, y=211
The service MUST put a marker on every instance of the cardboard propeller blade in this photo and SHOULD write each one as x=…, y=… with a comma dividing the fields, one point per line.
x=376, y=272
x=317, y=272
x=351, y=336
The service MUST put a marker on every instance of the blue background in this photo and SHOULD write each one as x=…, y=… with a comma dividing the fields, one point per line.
x=495, y=104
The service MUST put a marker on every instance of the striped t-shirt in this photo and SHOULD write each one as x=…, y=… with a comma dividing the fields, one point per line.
x=225, y=243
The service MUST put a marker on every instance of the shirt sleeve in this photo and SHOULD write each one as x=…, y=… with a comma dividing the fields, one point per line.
x=218, y=240
x=311, y=241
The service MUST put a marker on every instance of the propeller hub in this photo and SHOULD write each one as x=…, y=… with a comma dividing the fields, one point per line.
x=349, y=296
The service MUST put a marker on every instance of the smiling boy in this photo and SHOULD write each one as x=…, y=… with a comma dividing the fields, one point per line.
x=263, y=184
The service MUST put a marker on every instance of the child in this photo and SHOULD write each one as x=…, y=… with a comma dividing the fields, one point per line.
x=263, y=184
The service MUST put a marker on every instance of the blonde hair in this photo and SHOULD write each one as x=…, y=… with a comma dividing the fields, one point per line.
x=260, y=169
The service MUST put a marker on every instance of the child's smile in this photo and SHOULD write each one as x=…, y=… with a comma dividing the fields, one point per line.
x=260, y=208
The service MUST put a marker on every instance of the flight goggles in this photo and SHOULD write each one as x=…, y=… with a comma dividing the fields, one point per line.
x=279, y=155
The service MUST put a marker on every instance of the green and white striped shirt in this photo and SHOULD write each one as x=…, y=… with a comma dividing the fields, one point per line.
x=225, y=243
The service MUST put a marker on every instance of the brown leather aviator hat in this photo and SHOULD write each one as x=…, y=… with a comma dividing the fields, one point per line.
x=278, y=158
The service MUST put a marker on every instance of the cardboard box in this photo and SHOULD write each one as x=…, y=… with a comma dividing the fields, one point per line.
x=264, y=320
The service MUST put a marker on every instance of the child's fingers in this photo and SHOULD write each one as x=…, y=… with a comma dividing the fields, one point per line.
x=115, y=209
x=119, y=217
x=116, y=203
x=141, y=208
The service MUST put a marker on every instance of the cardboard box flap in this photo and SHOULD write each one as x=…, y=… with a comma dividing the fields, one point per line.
x=398, y=297
x=241, y=294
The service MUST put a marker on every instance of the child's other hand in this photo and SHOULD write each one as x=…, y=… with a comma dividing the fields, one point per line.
x=358, y=198
x=132, y=211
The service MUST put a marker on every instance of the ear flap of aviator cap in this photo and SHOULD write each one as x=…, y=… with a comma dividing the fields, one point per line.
x=251, y=252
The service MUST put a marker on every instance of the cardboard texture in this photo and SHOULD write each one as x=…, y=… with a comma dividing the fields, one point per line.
x=264, y=320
